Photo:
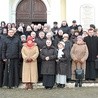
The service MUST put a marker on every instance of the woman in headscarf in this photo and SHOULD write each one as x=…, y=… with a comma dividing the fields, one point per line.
x=30, y=53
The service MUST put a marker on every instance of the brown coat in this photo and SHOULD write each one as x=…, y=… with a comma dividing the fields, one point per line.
x=79, y=52
x=29, y=72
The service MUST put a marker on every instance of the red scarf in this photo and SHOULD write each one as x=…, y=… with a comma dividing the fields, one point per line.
x=30, y=45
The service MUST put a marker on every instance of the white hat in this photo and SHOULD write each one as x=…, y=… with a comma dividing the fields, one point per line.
x=61, y=42
x=65, y=35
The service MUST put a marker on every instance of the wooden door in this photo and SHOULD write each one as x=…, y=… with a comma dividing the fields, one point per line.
x=29, y=11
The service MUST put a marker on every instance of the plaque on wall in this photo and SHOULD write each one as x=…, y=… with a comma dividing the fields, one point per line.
x=87, y=15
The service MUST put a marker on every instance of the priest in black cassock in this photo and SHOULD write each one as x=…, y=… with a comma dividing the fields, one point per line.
x=92, y=44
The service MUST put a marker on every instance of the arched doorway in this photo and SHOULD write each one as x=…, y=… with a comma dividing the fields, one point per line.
x=29, y=11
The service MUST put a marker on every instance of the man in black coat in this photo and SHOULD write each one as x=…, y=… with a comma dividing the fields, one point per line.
x=92, y=44
x=1, y=63
x=74, y=25
x=65, y=28
x=55, y=28
x=11, y=50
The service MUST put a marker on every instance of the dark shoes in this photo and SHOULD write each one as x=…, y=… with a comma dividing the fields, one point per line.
x=28, y=86
x=60, y=85
x=78, y=83
x=47, y=87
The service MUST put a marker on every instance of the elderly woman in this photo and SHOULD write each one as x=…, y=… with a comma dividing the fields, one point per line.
x=62, y=62
x=30, y=53
x=48, y=56
x=79, y=54
x=68, y=46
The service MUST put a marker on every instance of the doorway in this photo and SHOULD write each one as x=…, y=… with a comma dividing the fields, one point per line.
x=31, y=11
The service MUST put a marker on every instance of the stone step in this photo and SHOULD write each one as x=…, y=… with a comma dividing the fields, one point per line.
x=68, y=85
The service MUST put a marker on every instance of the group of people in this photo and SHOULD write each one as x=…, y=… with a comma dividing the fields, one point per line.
x=51, y=55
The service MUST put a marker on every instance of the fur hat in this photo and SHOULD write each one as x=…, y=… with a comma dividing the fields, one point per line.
x=79, y=37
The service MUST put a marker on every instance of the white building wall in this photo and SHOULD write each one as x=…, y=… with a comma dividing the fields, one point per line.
x=4, y=10
x=73, y=10
x=8, y=10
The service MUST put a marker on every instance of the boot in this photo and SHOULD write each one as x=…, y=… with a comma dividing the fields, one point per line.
x=26, y=86
x=30, y=86
x=76, y=83
x=80, y=83
x=62, y=85
x=58, y=84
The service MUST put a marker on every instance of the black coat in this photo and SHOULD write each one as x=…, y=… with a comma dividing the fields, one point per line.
x=62, y=63
x=68, y=46
x=40, y=42
x=48, y=67
x=1, y=43
x=57, y=39
x=11, y=48
x=11, y=51
x=27, y=33
x=74, y=27
x=92, y=44
x=65, y=29
x=1, y=63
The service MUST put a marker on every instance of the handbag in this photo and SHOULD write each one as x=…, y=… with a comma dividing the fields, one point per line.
x=96, y=64
x=79, y=73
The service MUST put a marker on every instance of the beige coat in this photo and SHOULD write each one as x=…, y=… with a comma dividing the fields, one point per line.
x=79, y=52
x=29, y=72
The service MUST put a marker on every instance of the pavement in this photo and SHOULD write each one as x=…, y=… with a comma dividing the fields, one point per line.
x=89, y=90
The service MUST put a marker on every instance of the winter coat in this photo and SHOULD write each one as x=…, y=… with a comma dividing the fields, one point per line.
x=30, y=73
x=62, y=63
x=1, y=43
x=40, y=42
x=79, y=52
x=65, y=29
x=57, y=39
x=11, y=48
x=48, y=67
x=92, y=44
x=68, y=46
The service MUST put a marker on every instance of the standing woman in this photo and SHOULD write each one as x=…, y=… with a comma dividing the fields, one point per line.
x=79, y=54
x=68, y=46
x=30, y=53
x=62, y=63
x=48, y=56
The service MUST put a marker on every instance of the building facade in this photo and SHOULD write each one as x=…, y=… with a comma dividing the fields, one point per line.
x=83, y=11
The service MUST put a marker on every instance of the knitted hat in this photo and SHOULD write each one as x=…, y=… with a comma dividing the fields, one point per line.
x=61, y=42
